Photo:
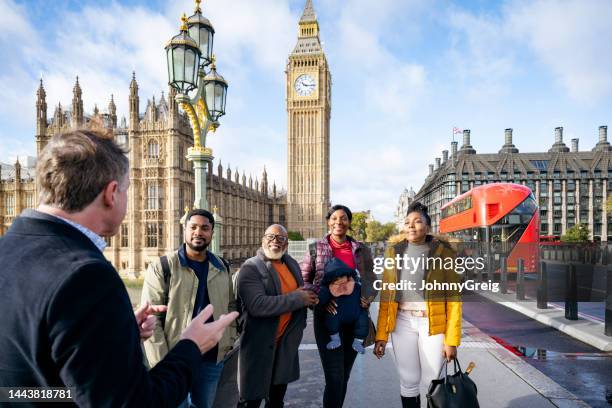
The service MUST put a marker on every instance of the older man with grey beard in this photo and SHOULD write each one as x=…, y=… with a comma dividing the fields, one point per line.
x=274, y=302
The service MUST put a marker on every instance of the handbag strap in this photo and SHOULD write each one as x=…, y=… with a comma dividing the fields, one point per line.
x=444, y=368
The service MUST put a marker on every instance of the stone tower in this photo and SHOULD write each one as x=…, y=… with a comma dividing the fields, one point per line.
x=41, y=118
x=309, y=110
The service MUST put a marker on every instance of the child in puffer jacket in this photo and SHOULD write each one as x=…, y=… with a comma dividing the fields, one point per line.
x=345, y=284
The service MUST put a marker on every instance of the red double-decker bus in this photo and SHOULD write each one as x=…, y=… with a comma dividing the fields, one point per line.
x=496, y=220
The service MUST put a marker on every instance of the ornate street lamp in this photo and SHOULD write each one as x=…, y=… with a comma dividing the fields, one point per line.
x=189, y=54
x=202, y=32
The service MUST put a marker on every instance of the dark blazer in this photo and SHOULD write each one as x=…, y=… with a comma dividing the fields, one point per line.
x=67, y=321
x=259, y=289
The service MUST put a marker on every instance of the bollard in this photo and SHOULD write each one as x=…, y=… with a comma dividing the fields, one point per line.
x=608, y=317
x=504, y=275
x=542, y=286
x=520, y=277
x=571, y=293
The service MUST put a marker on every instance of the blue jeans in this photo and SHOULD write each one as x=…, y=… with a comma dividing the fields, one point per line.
x=204, y=387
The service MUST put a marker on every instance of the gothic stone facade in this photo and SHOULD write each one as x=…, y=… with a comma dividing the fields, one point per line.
x=162, y=183
x=569, y=185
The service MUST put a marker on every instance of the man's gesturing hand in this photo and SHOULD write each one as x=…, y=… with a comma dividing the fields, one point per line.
x=145, y=317
x=207, y=335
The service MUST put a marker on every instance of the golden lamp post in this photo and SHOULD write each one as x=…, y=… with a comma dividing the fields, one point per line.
x=192, y=71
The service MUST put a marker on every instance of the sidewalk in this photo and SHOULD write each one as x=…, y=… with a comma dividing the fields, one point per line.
x=503, y=379
x=587, y=330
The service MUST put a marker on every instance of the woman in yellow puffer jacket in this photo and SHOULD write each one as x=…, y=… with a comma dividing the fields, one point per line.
x=425, y=326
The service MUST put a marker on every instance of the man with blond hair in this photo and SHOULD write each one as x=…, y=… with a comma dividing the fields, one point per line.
x=66, y=316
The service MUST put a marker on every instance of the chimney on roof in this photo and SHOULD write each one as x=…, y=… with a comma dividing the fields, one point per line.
x=559, y=146
x=603, y=144
x=437, y=163
x=431, y=169
x=574, y=145
x=603, y=134
x=444, y=156
x=454, y=149
x=466, y=138
x=559, y=134
x=467, y=147
x=508, y=146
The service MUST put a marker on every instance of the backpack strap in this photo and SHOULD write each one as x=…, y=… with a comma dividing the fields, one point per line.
x=166, y=270
x=226, y=263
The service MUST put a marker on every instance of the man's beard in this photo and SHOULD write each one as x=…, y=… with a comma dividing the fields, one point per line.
x=273, y=255
x=198, y=248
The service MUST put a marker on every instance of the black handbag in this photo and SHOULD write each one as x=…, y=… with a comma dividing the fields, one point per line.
x=452, y=391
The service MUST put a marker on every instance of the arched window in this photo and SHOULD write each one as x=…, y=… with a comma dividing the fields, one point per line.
x=153, y=150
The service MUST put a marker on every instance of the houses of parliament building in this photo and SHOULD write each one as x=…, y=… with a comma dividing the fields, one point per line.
x=162, y=180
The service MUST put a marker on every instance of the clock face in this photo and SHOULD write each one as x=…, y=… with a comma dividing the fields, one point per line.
x=305, y=85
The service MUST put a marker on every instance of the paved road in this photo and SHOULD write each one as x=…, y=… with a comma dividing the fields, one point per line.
x=576, y=366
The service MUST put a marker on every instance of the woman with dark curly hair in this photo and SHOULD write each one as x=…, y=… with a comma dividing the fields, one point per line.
x=338, y=361
x=425, y=327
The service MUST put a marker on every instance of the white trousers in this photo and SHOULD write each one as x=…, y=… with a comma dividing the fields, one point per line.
x=418, y=356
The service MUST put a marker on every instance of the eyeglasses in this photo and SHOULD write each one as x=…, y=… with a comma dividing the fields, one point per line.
x=279, y=238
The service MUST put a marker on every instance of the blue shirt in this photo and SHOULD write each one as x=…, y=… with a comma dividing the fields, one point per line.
x=202, y=299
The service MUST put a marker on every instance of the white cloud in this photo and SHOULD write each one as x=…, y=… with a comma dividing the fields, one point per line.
x=573, y=38
x=481, y=57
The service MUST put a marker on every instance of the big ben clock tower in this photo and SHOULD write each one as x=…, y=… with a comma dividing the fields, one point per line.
x=308, y=110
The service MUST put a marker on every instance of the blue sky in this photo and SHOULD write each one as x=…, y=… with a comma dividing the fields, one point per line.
x=405, y=72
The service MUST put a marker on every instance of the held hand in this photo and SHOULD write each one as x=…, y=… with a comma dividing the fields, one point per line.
x=450, y=352
x=332, y=307
x=207, y=335
x=308, y=296
x=365, y=302
x=379, y=348
x=146, y=319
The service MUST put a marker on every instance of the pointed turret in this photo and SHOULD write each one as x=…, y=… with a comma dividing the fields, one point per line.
x=41, y=110
x=264, y=181
x=308, y=32
x=77, y=105
x=134, y=103
x=112, y=112
x=220, y=169
x=58, y=116
x=309, y=26
x=17, y=171
x=308, y=15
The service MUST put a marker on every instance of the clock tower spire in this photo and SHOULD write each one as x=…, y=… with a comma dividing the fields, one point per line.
x=308, y=90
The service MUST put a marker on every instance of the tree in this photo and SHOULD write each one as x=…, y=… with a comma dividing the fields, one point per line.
x=577, y=233
x=295, y=236
x=358, y=226
x=377, y=232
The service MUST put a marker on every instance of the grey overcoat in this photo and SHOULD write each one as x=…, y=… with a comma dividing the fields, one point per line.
x=259, y=289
